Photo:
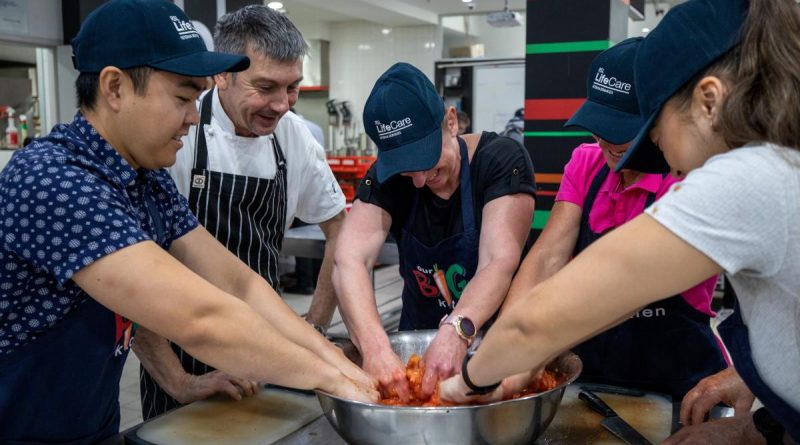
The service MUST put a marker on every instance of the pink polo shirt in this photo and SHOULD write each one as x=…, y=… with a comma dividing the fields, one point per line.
x=613, y=207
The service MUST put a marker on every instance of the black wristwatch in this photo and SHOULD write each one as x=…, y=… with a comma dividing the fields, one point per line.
x=770, y=428
x=475, y=390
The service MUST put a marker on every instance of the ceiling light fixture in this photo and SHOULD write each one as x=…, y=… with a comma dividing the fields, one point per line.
x=275, y=5
x=386, y=31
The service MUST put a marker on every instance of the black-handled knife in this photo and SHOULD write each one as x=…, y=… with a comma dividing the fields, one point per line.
x=613, y=422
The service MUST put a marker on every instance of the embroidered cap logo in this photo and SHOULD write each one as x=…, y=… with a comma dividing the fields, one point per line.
x=610, y=85
x=185, y=29
x=393, y=128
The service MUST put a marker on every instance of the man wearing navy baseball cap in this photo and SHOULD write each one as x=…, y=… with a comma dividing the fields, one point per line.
x=592, y=200
x=439, y=194
x=403, y=116
x=97, y=237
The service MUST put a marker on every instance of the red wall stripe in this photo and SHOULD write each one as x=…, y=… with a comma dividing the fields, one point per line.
x=551, y=109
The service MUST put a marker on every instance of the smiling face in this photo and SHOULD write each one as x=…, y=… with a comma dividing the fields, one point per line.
x=256, y=99
x=612, y=152
x=149, y=127
x=443, y=178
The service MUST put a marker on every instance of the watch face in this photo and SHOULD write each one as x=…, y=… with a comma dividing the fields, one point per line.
x=467, y=327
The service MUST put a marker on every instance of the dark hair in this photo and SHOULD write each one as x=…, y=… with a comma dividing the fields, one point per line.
x=261, y=29
x=763, y=76
x=463, y=117
x=87, y=83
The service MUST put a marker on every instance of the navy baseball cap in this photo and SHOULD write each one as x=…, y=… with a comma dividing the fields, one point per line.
x=155, y=33
x=611, y=110
x=403, y=117
x=689, y=39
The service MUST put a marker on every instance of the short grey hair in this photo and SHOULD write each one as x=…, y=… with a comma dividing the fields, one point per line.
x=261, y=29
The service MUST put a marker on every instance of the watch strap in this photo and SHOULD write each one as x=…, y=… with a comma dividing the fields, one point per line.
x=475, y=390
x=768, y=426
x=455, y=322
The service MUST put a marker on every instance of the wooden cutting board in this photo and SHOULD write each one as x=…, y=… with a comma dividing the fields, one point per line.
x=576, y=423
x=258, y=420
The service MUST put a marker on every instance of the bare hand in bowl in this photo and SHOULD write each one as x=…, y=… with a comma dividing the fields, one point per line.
x=442, y=359
x=350, y=389
x=390, y=372
x=352, y=371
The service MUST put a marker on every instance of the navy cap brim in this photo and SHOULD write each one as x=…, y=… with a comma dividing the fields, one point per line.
x=610, y=124
x=643, y=155
x=203, y=63
x=416, y=156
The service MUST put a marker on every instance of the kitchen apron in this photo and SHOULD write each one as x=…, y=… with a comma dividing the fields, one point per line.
x=666, y=347
x=247, y=215
x=736, y=337
x=447, y=266
x=80, y=359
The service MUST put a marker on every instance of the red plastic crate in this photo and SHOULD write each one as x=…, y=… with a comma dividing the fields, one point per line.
x=349, y=190
x=350, y=167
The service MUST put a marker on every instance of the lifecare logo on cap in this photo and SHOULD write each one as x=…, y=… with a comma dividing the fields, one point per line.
x=393, y=128
x=609, y=85
x=185, y=29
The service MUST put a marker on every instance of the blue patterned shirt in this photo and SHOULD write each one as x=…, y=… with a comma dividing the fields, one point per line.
x=66, y=201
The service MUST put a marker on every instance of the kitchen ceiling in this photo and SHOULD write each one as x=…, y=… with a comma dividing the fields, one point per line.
x=390, y=12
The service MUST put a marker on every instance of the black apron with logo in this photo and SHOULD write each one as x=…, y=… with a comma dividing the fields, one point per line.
x=737, y=339
x=447, y=266
x=247, y=215
x=666, y=347
x=81, y=359
x=78, y=359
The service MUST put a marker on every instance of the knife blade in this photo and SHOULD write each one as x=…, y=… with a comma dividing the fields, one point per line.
x=613, y=422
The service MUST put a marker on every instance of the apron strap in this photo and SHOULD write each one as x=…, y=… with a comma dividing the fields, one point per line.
x=588, y=203
x=651, y=197
x=467, y=208
x=280, y=159
x=151, y=207
x=200, y=148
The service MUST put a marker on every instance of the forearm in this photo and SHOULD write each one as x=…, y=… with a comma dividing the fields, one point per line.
x=265, y=302
x=236, y=340
x=589, y=295
x=358, y=306
x=485, y=292
x=323, y=304
x=551, y=252
x=211, y=325
x=158, y=358
x=539, y=265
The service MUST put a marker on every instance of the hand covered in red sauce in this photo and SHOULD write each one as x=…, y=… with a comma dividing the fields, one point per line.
x=513, y=387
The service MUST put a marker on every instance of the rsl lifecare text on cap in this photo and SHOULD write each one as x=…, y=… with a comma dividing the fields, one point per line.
x=393, y=128
x=604, y=83
x=185, y=29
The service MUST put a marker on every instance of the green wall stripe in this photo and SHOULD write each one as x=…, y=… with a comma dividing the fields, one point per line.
x=568, y=47
x=539, y=219
x=557, y=134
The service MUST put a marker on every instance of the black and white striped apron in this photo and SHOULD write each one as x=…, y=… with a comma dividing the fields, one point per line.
x=247, y=215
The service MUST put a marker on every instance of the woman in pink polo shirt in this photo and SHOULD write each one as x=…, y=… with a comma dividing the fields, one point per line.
x=667, y=346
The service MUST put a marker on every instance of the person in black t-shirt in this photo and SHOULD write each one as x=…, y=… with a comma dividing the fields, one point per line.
x=460, y=208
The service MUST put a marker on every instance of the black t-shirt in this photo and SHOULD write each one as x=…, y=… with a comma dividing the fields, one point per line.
x=499, y=167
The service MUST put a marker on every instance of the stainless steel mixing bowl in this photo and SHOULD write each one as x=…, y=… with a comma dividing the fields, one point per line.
x=518, y=421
